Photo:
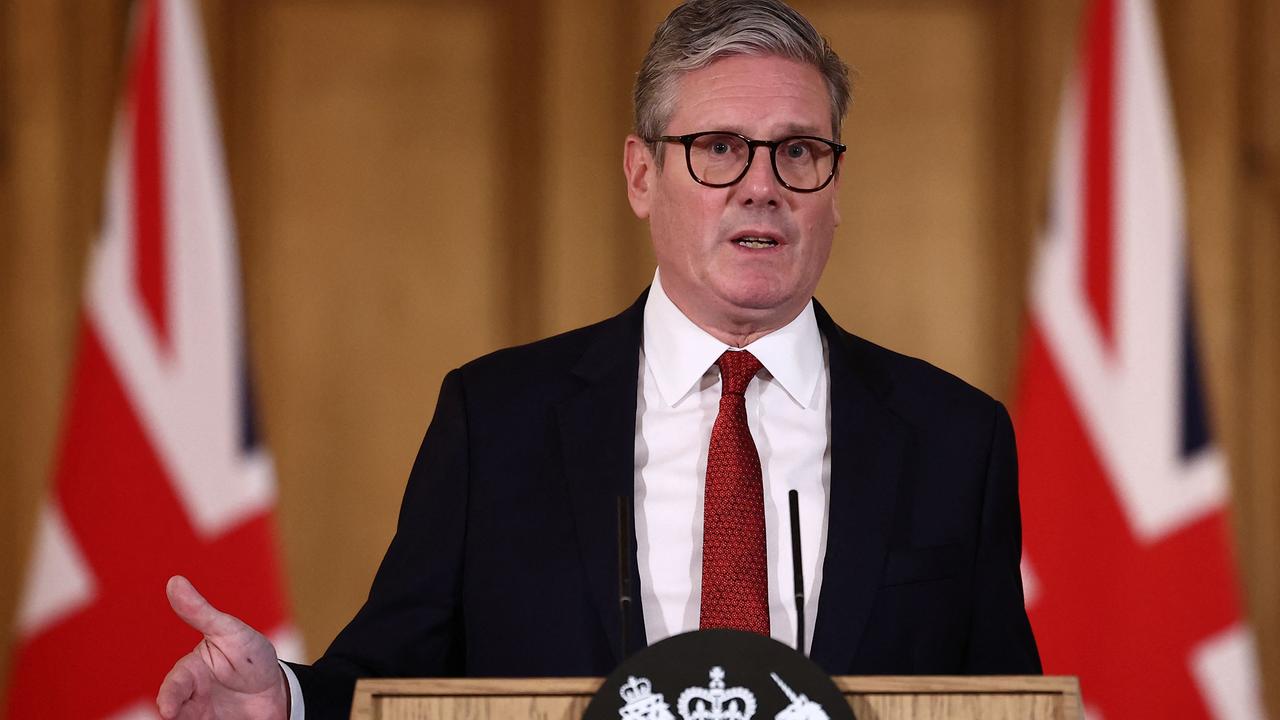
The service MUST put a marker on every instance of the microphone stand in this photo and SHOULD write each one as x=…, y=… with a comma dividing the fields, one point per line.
x=797, y=571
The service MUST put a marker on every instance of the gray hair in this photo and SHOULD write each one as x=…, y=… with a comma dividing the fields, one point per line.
x=699, y=32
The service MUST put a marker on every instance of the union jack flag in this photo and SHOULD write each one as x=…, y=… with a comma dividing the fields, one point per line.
x=1130, y=580
x=160, y=469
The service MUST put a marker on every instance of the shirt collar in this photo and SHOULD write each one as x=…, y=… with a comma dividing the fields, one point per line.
x=679, y=353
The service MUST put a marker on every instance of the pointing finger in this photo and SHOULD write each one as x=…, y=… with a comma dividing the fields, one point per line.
x=195, y=611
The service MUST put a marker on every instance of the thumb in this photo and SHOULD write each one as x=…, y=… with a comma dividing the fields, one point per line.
x=195, y=611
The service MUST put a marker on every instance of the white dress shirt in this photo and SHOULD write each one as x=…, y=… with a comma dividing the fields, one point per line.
x=788, y=414
x=678, y=396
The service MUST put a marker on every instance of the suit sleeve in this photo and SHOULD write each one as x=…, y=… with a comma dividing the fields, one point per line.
x=1001, y=641
x=411, y=624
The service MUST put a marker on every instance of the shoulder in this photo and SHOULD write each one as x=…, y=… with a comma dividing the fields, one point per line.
x=559, y=363
x=549, y=354
x=955, y=434
x=915, y=380
x=916, y=390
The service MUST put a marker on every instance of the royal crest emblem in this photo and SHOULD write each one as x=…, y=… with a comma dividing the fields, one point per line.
x=744, y=676
x=641, y=703
x=715, y=702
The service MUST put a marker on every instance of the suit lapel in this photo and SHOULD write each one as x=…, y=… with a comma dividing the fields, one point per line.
x=868, y=442
x=868, y=445
x=597, y=441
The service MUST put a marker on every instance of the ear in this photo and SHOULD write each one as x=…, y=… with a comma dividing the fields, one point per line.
x=639, y=168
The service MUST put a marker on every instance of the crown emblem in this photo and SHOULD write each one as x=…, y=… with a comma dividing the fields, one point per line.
x=715, y=702
x=641, y=702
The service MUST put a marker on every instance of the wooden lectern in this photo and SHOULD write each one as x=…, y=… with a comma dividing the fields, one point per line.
x=872, y=698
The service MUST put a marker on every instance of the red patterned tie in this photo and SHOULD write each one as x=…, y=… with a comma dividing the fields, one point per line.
x=735, y=581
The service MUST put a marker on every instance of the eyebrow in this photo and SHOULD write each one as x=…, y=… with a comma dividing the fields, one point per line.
x=787, y=130
x=798, y=129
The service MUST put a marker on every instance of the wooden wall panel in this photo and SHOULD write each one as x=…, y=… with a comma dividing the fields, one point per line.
x=911, y=264
x=56, y=100
x=1253, y=381
x=592, y=243
x=33, y=64
x=366, y=174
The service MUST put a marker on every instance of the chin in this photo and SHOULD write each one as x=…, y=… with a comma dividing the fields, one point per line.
x=760, y=300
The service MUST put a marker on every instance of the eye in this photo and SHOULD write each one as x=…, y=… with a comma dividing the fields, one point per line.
x=796, y=150
x=718, y=145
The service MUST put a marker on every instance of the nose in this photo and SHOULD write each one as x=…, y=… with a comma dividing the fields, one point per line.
x=760, y=185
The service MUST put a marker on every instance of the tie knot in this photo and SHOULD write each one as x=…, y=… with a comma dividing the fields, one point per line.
x=737, y=367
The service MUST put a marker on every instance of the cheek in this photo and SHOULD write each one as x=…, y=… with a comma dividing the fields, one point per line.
x=821, y=232
x=687, y=227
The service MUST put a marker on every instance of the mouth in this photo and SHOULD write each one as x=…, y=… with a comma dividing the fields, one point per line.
x=757, y=240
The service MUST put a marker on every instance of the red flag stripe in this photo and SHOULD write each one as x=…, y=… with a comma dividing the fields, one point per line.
x=124, y=526
x=1099, y=148
x=1127, y=540
x=124, y=515
x=148, y=175
x=1119, y=613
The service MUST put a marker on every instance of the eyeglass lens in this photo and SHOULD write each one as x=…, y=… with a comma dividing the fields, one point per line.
x=802, y=163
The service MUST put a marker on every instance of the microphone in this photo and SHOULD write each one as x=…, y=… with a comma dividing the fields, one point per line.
x=797, y=572
x=624, y=568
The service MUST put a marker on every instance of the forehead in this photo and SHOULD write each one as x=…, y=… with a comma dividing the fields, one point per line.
x=758, y=96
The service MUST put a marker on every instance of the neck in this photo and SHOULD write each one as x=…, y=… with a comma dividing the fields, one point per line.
x=732, y=325
x=740, y=332
x=739, y=339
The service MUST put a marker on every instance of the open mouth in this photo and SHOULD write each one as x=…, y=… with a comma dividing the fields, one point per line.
x=755, y=242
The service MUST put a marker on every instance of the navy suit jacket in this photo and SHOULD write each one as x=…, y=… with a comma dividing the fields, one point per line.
x=504, y=562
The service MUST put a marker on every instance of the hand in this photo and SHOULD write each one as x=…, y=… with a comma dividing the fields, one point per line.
x=231, y=674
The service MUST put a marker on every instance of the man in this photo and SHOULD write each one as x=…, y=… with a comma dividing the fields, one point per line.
x=505, y=560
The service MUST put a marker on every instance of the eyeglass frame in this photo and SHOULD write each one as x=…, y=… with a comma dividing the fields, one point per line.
x=687, y=141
